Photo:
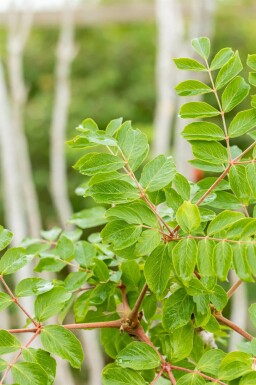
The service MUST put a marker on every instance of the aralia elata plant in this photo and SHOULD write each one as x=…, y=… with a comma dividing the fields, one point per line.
x=152, y=279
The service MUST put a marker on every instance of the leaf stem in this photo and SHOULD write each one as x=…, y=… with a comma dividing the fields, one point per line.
x=15, y=300
x=157, y=377
x=134, y=313
x=233, y=326
x=174, y=367
x=231, y=291
x=168, y=370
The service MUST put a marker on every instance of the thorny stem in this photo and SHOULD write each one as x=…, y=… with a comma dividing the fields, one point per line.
x=233, y=326
x=19, y=354
x=134, y=313
x=15, y=300
x=231, y=291
x=174, y=367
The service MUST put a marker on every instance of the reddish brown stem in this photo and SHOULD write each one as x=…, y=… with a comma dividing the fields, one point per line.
x=244, y=152
x=15, y=300
x=140, y=334
x=19, y=331
x=233, y=326
x=231, y=291
x=174, y=367
x=126, y=307
x=95, y=325
x=157, y=377
x=134, y=313
x=170, y=375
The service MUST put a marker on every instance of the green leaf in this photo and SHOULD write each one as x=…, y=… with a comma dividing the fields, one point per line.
x=157, y=269
x=234, y=365
x=32, y=286
x=147, y=242
x=203, y=131
x=118, y=376
x=49, y=264
x=130, y=274
x=206, y=183
x=64, y=248
x=173, y=199
x=13, y=260
x=182, y=186
x=184, y=259
x=158, y=173
x=94, y=163
x=196, y=110
x=219, y=298
x=188, y=217
x=113, y=192
x=239, y=184
x=84, y=253
x=252, y=314
x=43, y=359
x=240, y=259
x=234, y=93
x=60, y=341
x=250, y=176
x=223, y=220
x=100, y=270
x=134, y=146
x=191, y=379
x=87, y=125
x=121, y=234
x=89, y=218
x=75, y=280
x=8, y=343
x=229, y=71
x=5, y=301
x=222, y=259
x=50, y=303
x=138, y=356
x=205, y=257
x=225, y=200
x=5, y=238
x=212, y=152
x=52, y=234
x=191, y=88
x=221, y=58
x=252, y=78
x=210, y=361
x=181, y=343
x=202, y=46
x=91, y=139
x=188, y=64
x=26, y=373
x=177, y=310
x=242, y=123
x=113, y=126
x=248, y=379
x=251, y=61
x=3, y=365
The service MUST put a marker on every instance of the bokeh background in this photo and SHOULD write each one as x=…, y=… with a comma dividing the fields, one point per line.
x=64, y=60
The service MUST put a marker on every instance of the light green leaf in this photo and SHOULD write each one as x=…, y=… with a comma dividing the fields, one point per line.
x=100, y=270
x=32, y=286
x=5, y=301
x=222, y=259
x=250, y=175
x=52, y=234
x=130, y=274
x=5, y=238
x=225, y=200
x=240, y=259
x=181, y=343
x=177, y=310
x=157, y=269
x=221, y=58
x=242, y=123
x=94, y=163
x=118, y=376
x=113, y=192
x=219, y=298
x=121, y=234
x=248, y=379
x=60, y=341
x=14, y=259
x=206, y=183
x=87, y=125
x=210, y=152
x=26, y=373
x=203, y=131
x=75, y=280
x=182, y=186
x=89, y=218
x=134, y=146
x=64, y=248
x=205, y=257
x=113, y=126
x=43, y=359
x=173, y=199
x=223, y=220
x=138, y=356
x=252, y=78
x=191, y=88
x=3, y=365
x=50, y=303
x=191, y=379
x=202, y=46
x=196, y=110
x=206, y=166
x=158, y=173
x=188, y=217
x=84, y=253
x=239, y=184
x=229, y=71
x=147, y=242
x=234, y=93
x=91, y=139
x=188, y=64
x=210, y=361
x=234, y=365
x=251, y=61
x=252, y=314
x=184, y=259
x=8, y=343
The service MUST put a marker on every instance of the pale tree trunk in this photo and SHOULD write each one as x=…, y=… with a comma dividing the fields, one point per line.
x=58, y=173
